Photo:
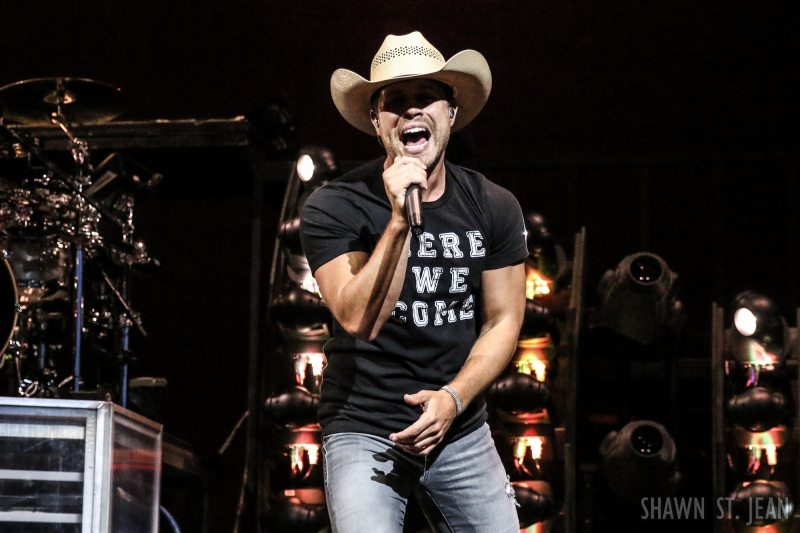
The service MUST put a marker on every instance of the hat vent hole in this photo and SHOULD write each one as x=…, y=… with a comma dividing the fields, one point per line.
x=407, y=51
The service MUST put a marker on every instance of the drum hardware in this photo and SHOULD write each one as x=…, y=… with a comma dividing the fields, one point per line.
x=74, y=184
x=12, y=150
x=134, y=256
x=132, y=315
x=53, y=235
x=19, y=150
x=118, y=185
x=84, y=234
x=31, y=352
x=79, y=148
x=85, y=230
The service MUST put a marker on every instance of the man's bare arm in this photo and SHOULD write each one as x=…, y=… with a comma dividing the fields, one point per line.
x=362, y=290
x=503, y=310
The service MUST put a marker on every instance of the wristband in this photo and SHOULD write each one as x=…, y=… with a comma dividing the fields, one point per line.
x=455, y=398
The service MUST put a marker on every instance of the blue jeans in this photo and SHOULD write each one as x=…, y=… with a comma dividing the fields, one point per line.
x=462, y=487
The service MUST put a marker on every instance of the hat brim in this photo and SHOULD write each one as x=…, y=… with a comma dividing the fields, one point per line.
x=467, y=73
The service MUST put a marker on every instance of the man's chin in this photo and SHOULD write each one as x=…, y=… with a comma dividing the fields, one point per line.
x=429, y=156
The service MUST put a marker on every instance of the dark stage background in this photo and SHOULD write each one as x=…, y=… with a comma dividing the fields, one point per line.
x=671, y=126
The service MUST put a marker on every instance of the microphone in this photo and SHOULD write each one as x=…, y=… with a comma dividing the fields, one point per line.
x=414, y=208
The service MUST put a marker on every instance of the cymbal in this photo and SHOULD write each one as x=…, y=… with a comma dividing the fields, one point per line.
x=79, y=100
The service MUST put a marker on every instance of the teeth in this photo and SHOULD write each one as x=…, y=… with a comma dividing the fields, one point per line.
x=415, y=130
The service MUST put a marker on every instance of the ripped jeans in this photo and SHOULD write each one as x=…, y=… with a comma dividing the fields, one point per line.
x=462, y=487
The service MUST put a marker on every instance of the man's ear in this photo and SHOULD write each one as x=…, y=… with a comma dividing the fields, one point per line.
x=373, y=117
x=453, y=111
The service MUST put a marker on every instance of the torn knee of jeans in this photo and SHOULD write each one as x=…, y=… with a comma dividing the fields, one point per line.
x=510, y=491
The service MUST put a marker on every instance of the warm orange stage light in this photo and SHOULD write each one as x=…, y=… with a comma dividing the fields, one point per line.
x=301, y=362
x=523, y=444
x=310, y=284
x=297, y=455
x=532, y=356
x=536, y=284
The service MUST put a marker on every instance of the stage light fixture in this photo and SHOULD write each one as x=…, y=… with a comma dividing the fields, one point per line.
x=315, y=167
x=528, y=452
x=543, y=250
x=536, y=283
x=640, y=461
x=291, y=513
x=745, y=321
x=538, y=321
x=535, y=504
x=293, y=409
x=760, y=335
x=518, y=393
x=305, y=167
x=537, y=369
x=759, y=409
x=289, y=234
x=300, y=310
x=749, y=453
x=299, y=272
x=317, y=363
x=528, y=447
x=301, y=455
x=758, y=455
x=534, y=443
x=639, y=299
x=760, y=503
x=296, y=459
x=533, y=356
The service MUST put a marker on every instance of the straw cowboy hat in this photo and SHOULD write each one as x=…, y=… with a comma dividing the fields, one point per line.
x=409, y=57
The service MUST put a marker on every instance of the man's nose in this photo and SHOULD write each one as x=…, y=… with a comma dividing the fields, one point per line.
x=413, y=110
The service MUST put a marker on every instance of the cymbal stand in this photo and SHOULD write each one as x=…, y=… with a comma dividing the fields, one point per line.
x=125, y=321
x=79, y=149
x=80, y=153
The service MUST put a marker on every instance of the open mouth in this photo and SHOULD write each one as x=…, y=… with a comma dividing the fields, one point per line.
x=415, y=138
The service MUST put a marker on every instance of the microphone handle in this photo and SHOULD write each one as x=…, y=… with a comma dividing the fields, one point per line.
x=414, y=208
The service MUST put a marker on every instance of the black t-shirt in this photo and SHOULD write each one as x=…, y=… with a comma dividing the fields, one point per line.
x=476, y=225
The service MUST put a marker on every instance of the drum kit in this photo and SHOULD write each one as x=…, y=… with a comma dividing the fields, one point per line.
x=68, y=250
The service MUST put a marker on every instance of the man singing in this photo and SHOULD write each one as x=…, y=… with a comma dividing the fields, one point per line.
x=426, y=317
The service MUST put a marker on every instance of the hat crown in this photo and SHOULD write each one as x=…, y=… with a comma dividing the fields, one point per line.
x=405, y=55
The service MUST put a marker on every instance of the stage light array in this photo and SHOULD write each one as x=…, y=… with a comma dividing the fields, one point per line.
x=758, y=415
x=302, y=325
x=521, y=398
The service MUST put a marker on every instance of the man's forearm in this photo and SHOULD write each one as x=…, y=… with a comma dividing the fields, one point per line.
x=488, y=358
x=368, y=299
